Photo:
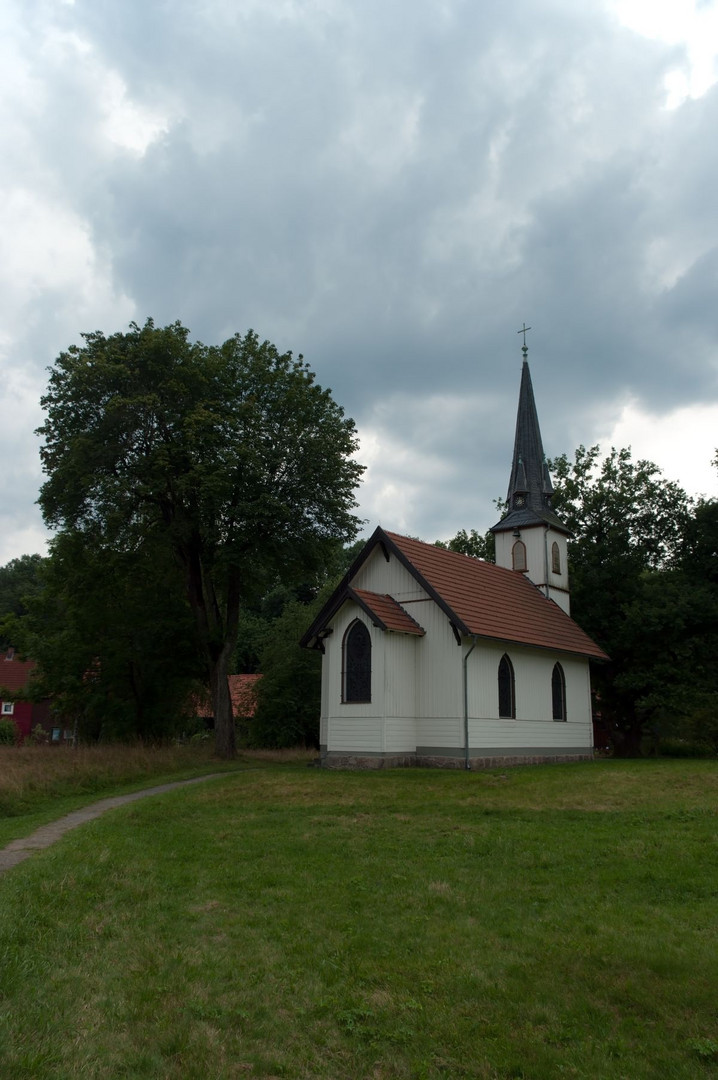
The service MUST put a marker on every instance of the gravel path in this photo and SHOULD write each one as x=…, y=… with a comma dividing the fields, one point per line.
x=18, y=850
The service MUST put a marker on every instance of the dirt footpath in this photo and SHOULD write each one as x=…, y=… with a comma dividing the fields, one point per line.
x=18, y=850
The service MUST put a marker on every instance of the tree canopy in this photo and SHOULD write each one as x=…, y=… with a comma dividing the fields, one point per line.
x=230, y=458
x=642, y=558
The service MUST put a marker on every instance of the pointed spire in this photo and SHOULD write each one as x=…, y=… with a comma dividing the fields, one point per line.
x=530, y=488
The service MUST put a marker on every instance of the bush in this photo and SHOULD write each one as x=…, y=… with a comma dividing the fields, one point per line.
x=8, y=733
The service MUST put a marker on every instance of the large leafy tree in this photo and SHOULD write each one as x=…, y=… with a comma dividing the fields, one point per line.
x=231, y=456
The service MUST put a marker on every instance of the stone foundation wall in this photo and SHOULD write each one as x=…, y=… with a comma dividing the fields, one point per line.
x=335, y=760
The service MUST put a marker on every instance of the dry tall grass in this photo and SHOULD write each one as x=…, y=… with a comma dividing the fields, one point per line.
x=32, y=774
x=29, y=774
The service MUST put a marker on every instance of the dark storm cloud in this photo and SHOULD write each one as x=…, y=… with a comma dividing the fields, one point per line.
x=392, y=190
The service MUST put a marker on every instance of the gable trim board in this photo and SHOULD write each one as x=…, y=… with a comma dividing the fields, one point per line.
x=432, y=702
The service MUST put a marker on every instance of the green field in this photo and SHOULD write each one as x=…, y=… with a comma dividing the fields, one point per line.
x=555, y=921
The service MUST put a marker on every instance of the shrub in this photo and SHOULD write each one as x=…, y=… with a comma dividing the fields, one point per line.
x=8, y=733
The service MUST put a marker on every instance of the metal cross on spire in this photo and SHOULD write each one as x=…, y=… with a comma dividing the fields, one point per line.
x=524, y=330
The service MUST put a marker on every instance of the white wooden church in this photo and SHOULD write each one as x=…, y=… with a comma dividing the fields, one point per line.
x=435, y=658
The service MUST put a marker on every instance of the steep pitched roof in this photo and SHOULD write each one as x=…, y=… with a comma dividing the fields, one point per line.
x=477, y=598
x=490, y=601
x=530, y=487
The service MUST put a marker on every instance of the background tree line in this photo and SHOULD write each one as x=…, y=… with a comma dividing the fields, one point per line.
x=202, y=500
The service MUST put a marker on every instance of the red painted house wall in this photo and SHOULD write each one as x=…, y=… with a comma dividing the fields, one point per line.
x=14, y=678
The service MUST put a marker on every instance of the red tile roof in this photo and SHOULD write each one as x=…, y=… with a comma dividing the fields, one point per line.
x=388, y=612
x=14, y=674
x=490, y=601
x=243, y=692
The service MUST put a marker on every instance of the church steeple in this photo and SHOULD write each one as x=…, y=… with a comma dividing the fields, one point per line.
x=530, y=488
x=531, y=538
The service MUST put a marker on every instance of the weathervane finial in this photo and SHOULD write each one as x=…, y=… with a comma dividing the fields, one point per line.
x=524, y=347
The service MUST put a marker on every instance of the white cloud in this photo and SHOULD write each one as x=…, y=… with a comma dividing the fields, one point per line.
x=683, y=443
x=690, y=24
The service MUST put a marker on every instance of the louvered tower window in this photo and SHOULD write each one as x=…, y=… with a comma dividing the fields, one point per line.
x=518, y=555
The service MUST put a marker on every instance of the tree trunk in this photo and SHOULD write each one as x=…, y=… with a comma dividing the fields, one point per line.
x=224, y=738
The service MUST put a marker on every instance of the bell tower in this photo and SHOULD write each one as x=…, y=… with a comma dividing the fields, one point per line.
x=531, y=539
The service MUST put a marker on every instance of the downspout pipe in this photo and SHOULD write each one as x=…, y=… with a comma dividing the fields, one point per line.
x=466, y=703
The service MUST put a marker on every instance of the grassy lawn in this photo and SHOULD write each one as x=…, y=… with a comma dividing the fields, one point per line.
x=287, y=922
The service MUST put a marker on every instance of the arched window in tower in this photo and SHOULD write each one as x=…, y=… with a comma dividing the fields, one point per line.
x=356, y=682
x=507, y=689
x=558, y=693
x=518, y=556
x=555, y=558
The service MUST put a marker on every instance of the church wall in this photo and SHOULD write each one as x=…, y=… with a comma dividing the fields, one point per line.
x=391, y=577
x=400, y=652
x=534, y=726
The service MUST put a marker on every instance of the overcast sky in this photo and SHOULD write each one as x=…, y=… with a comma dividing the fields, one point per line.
x=390, y=187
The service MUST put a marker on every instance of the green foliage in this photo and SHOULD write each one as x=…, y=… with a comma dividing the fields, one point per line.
x=289, y=693
x=8, y=733
x=232, y=458
x=471, y=543
x=20, y=580
x=643, y=585
x=113, y=637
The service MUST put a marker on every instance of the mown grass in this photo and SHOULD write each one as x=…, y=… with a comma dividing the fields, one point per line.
x=536, y=923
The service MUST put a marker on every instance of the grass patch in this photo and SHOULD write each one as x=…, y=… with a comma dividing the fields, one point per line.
x=539, y=922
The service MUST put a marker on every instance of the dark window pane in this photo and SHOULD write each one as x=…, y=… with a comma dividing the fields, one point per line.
x=558, y=693
x=507, y=705
x=357, y=664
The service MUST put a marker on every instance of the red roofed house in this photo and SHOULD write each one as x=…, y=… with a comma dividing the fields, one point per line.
x=435, y=658
x=243, y=692
x=14, y=678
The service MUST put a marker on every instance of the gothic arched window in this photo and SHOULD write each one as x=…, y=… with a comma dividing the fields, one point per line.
x=555, y=558
x=507, y=690
x=558, y=693
x=357, y=663
x=518, y=555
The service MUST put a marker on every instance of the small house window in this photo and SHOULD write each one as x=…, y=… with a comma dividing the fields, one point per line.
x=10, y=654
x=518, y=556
x=507, y=690
x=558, y=693
x=555, y=558
x=8, y=708
x=357, y=663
